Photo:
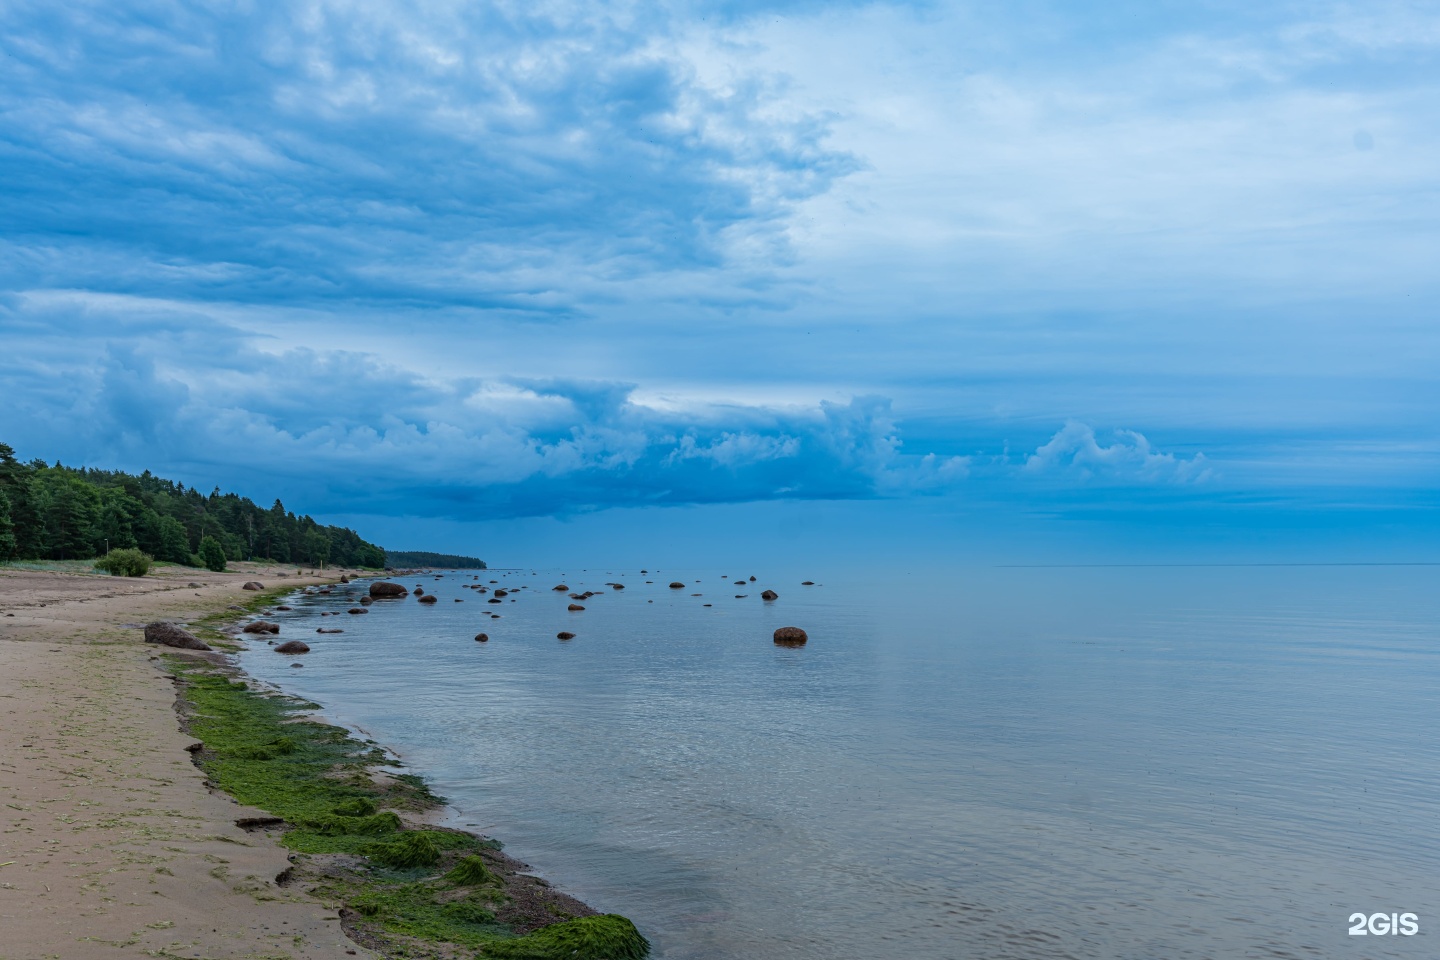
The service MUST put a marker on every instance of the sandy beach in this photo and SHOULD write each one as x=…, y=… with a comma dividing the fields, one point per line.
x=111, y=844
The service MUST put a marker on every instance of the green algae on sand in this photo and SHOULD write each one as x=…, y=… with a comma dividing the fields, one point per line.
x=405, y=891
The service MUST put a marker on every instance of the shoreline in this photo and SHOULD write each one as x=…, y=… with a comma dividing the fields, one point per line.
x=111, y=842
x=286, y=903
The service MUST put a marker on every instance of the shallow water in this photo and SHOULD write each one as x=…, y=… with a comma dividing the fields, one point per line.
x=992, y=763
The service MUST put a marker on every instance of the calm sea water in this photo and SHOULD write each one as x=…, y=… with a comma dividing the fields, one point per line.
x=991, y=763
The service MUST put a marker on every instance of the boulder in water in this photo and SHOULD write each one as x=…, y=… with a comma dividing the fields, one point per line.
x=366, y=600
x=574, y=606
x=482, y=637
x=429, y=598
x=261, y=626
x=677, y=585
x=791, y=637
x=564, y=635
x=560, y=588
x=357, y=610
x=769, y=595
x=168, y=634
x=384, y=588
x=293, y=646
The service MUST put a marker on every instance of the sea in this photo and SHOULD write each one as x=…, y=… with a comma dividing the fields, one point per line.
x=980, y=762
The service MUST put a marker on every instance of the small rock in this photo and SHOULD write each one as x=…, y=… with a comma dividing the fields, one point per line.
x=328, y=630
x=297, y=666
x=192, y=585
x=253, y=585
x=560, y=588
x=293, y=646
x=564, y=635
x=790, y=637
x=808, y=583
x=195, y=747
x=284, y=608
x=482, y=637
x=428, y=598
x=574, y=606
x=769, y=595
x=357, y=610
x=419, y=590
x=677, y=585
x=366, y=600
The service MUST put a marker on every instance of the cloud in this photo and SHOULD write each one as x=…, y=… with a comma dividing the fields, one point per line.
x=1074, y=453
x=481, y=154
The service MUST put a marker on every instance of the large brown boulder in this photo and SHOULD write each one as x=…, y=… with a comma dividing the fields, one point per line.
x=429, y=598
x=769, y=595
x=293, y=646
x=253, y=585
x=261, y=626
x=166, y=633
x=384, y=588
x=791, y=637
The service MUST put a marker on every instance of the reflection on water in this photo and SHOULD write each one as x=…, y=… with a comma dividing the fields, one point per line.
x=1119, y=763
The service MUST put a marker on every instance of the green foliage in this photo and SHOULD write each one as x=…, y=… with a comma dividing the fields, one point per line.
x=124, y=563
x=421, y=558
x=7, y=529
x=605, y=937
x=212, y=553
x=63, y=513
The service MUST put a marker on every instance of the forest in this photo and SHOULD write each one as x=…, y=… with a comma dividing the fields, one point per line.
x=54, y=512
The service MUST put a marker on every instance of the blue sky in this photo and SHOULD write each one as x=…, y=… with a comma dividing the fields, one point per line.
x=1051, y=281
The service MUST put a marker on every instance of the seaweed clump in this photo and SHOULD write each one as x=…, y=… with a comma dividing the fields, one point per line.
x=607, y=936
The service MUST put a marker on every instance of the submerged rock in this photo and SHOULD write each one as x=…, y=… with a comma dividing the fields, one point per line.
x=429, y=598
x=365, y=601
x=357, y=610
x=293, y=646
x=574, y=606
x=564, y=635
x=261, y=626
x=677, y=585
x=482, y=637
x=328, y=630
x=560, y=588
x=769, y=595
x=170, y=635
x=791, y=637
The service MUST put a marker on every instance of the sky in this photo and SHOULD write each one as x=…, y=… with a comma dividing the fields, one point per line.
x=1023, y=282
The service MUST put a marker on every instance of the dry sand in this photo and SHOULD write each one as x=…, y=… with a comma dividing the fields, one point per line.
x=111, y=845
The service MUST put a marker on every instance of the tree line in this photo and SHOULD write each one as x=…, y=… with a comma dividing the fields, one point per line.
x=67, y=513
